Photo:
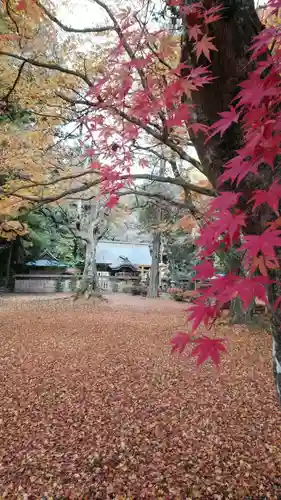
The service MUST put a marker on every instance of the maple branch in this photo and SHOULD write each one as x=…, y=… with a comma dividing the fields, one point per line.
x=172, y=162
x=8, y=9
x=53, y=18
x=160, y=197
x=153, y=50
x=6, y=97
x=131, y=55
x=146, y=127
x=46, y=115
x=164, y=140
x=87, y=185
x=52, y=182
x=175, y=181
x=51, y=66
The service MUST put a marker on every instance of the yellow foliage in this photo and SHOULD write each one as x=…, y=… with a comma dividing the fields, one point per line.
x=26, y=142
x=9, y=230
x=187, y=223
x=267, y=18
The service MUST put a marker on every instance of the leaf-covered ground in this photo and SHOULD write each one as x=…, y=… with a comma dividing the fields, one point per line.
x=94, y=407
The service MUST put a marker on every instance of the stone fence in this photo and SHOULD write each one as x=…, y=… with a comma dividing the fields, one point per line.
x=52, y=283
x=44, y=283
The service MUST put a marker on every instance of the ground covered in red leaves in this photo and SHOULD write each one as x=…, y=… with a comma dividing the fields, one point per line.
x=94, y=407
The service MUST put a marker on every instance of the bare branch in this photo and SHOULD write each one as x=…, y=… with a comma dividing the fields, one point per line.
x=8, y=8
x=51, y=66
x=146, y=127
x=87, y=185
x=100, y=29
x=160, y=137
x=52, y=182
x=172, y=162
x=159, y=196
x=6, y=97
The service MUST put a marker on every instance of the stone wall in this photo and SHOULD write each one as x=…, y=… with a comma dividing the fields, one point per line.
x=52, y=283
x=41, y=283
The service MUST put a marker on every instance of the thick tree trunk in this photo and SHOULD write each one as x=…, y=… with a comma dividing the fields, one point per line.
x=154, y=270
x=238, y=315
x=230, y=65
x=274, y=294
x=89, y=280
x=8, y=269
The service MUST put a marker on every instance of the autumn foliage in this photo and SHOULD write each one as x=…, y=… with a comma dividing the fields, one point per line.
x=141, y=93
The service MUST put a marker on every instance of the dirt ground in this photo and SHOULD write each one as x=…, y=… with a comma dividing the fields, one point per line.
x=93, y=406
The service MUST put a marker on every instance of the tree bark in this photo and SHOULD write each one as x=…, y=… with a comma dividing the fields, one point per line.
x=274, y=293
x=154, y=270
x=156, y=248
x=89, y=280
x=230, y=66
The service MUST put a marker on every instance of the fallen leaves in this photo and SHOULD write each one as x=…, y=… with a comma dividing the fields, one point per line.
x=94, y=407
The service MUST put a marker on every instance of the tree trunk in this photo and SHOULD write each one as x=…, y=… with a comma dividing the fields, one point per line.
x=238, y=315
x=156, y=249
x=230, y=66
x=274, y=294
x=8, y=269
x=154, y=270
x=89, y=280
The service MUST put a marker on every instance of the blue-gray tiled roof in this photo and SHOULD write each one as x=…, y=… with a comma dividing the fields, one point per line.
x=46, y=259
x=108, y=252
x=46, y=263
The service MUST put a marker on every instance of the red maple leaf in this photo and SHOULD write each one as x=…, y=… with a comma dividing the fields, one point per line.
x=226, y=200
x=193, y=13
x=227, y=118
x=204, y=270
x=95, y=164
x=226, y=242
x=271, y=197
x=20, y=5
x=202, y=312
x=125, y=86
x=211, y=15
x=209, y=239
x=179, y=341
x=254, y=91
x=194, y=32
x=204, y=46
x=264, y=243
x=182, y=114
x=269, y=147
x=200, y=76
x=208, y=348
x=250, y=287
x=198, y=127
x=113, y=200
x=238, y=168
x=263, y=264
